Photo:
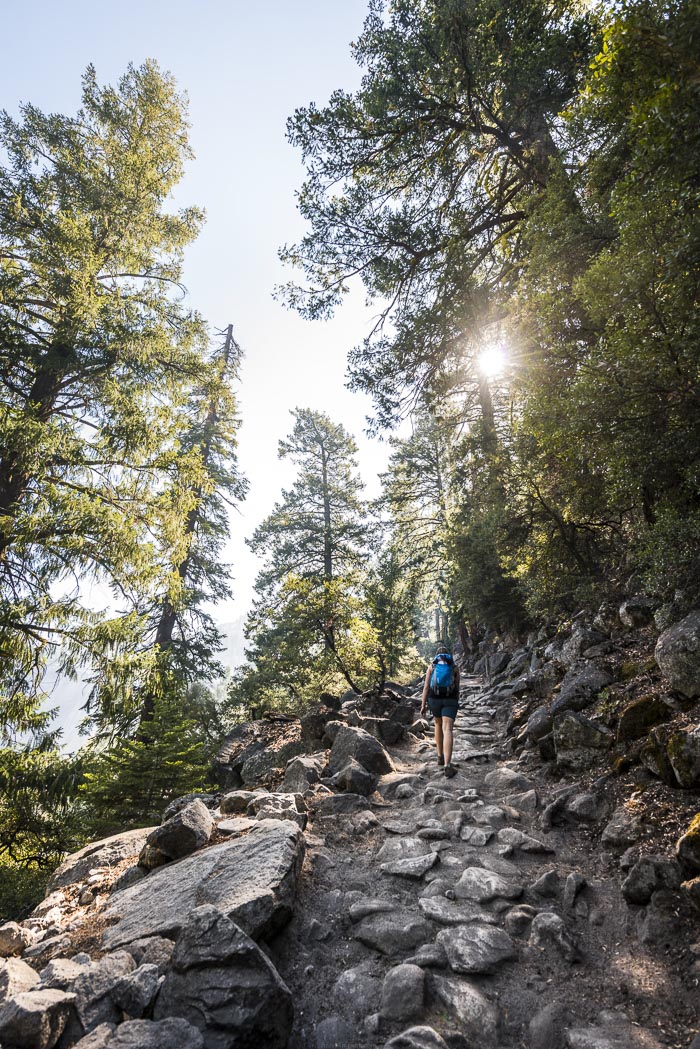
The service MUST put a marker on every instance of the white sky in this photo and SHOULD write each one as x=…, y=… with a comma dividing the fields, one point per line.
x=245, y=67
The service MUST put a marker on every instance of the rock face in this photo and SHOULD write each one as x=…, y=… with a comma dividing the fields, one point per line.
x=355, y=743
x=251, y=879
x=105, y=853
x=678, y=655
x=185, y=832
x=223, y=984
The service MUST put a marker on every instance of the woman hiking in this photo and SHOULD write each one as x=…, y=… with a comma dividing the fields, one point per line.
x=441, y=693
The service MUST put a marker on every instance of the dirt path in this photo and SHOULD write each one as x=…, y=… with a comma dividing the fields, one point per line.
x=451, y=907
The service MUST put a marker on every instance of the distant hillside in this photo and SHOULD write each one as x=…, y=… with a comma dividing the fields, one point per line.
x=68, y=697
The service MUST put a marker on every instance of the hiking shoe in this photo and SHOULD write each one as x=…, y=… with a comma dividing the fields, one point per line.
x=441, y=759
x=450, y=771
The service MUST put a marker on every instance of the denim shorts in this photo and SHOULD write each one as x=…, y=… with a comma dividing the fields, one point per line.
x=443, y=706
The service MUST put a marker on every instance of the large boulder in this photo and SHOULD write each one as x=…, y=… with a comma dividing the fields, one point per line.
x=278, y=807
x=15, y=978
x=108, y=852
x=301, y=772
x=35, y=1019
x=357, y=744
x=639, y=716
x=683, y=751
x=582, y=638
x=223, y=984
x=354, y=778
x=93, y=988
x=386, y=730
x=252, y=879
x=678, y=655
x=578, y=741
x=14, y=939
x=185, y=832
x=580, y=687
x=654, y=755
x=261, y=763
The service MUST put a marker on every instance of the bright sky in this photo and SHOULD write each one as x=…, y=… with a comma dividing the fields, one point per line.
x=245, y=67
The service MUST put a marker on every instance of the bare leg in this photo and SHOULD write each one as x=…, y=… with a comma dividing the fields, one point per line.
x=446, y=733
x=438, y=736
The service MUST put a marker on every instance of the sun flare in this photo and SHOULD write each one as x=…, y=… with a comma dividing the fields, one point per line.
x=491, y=361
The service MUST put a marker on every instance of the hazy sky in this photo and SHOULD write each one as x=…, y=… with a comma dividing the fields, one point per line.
x=245, y=67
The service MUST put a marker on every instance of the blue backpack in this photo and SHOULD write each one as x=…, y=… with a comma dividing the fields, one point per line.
x=442, y=678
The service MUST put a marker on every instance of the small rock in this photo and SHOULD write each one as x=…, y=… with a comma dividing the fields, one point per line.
x=411, y=867
x=403, y=992
x=658, y=923
x=547, y=884
x=688, y=846
x=691, y=891
x=445, y=912
x=93, y=987
x=61, y=973
x=506, y=780
x=476, y=948
x=550, y=928
x=482, y=885
x=637, y=612
x=477, y=1016
x=184, y=833
x=14, y=939
x=649, y=874
x=395, y=933
x=237, y=801
x=513, y=839
x=526, y=802
x=152, y=950
x=404, y=790
x=136, y=992
x=584, y=808
x=622, y=830
x=429, y=956
x=573, y=885
x=476, y=836
x=356, y=991
x=519, y=919
x=417, y=1038
x=547, y=1026
x=358, y=744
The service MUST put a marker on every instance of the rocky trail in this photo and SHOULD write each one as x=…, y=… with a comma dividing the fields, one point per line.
x=484, y=910
x=341, y=892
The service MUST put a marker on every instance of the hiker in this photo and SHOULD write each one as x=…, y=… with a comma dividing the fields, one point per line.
x=441, y=693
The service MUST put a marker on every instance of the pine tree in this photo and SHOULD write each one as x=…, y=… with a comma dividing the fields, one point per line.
x=97, y=357
x=308, y=627
x=179, y=642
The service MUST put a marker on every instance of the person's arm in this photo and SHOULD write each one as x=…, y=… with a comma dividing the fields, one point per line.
x=426, y=688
